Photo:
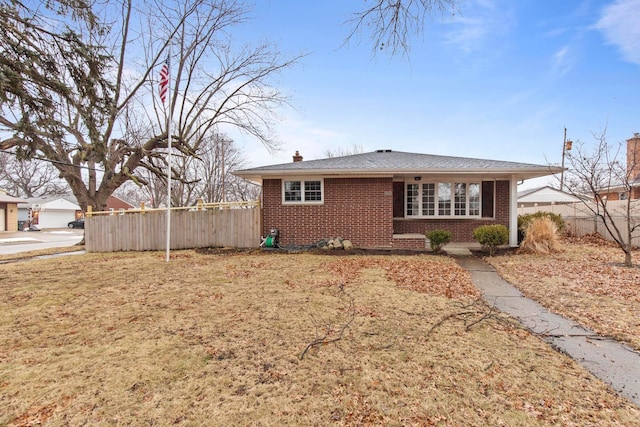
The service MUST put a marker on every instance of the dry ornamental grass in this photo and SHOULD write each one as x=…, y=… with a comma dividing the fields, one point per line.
x=541, y=237
x=127, y=339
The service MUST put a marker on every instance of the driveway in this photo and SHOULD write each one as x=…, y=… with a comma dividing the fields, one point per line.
x=23, y=241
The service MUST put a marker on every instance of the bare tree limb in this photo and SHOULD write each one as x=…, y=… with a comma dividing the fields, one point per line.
x=390, y=23
x=331, y=334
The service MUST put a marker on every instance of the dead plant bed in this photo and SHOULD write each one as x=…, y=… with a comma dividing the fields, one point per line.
x=316, y=251
x=129, y=339
x=587, y=282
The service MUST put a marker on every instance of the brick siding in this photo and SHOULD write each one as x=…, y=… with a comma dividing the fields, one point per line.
x=358, y=209
x=410, y=243
x=361, y=210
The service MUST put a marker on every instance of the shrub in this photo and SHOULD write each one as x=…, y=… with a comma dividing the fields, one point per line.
x=541, y=237
x=525, y=220
x=438, y=238
x=491, y=236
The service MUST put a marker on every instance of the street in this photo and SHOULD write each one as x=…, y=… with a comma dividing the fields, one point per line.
x=23, y=241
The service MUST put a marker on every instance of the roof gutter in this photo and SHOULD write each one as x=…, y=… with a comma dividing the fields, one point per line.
x=518, y=173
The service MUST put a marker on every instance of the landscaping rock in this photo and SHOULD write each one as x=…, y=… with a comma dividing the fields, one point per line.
x=337, y=243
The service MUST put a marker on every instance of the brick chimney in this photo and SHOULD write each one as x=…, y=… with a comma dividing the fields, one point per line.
x=298, y=158
x=633, y=156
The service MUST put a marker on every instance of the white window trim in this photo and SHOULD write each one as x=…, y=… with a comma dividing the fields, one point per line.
x=452, y=200
x=302, y=185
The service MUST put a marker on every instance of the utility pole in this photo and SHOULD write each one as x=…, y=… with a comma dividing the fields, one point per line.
x=566, y=146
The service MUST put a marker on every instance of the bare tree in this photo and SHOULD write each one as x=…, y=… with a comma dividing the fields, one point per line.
x=241, y=190
x=205, y=176
x=340, y=151
x=29, y=178
x=391, y=23
x=592, y=176
x=153, y=193
x=80, y=90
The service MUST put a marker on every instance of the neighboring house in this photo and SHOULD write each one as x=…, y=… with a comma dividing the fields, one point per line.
x=58, y=211
x=51, y=212
x=113, y=203
x=388, y=199
x=620, y=192
x=9, y=212
x=544, y=196
x=116, y=203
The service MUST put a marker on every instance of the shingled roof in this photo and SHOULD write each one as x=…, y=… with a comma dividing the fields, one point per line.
x=389, y=163
x=5, y=198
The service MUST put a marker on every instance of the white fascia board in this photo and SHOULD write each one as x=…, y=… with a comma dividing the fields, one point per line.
x=505, y=174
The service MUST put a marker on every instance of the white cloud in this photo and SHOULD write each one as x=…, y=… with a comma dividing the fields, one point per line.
x=619, y=25
x=489, y=19
x=467, y=34
x=522, y=97
x=562, y=61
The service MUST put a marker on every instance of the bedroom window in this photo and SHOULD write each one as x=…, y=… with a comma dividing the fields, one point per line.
x=443, y=199
x=302, y=191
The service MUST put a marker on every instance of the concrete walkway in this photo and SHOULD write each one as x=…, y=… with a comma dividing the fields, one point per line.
x=612, y=362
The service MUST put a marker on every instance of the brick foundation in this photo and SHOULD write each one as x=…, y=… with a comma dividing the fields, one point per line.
x=401, y=242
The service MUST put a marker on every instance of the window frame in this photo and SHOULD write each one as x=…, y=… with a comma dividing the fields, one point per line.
x=303, y=191
x=448, y=203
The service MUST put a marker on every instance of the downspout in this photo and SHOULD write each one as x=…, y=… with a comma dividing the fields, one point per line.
x=513, y=212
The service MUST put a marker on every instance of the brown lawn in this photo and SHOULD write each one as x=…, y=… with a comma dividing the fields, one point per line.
x=219, y=339
x=585, y=282
x=5, y=258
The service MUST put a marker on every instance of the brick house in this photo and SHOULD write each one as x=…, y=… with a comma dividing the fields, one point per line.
x=631, y=189
x=388, y=199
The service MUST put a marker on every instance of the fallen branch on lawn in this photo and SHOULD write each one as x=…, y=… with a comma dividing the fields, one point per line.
x=329, y=331
x=479, y=307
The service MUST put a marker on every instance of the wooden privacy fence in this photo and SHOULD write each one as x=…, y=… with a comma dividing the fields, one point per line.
x=207, y=225
x=581, y=222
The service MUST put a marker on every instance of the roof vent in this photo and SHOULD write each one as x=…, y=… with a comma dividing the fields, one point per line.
x=383, y=151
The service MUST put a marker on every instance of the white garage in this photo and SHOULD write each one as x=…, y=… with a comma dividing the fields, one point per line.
x=52, y=213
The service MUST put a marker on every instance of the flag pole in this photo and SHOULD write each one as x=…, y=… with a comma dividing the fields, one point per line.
x=169, y=116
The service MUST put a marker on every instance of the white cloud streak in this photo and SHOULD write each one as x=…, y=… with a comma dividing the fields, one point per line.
x=489, y=19
x=562, y=61
x=619, y=25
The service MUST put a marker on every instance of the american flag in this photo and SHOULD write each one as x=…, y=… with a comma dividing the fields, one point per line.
x=163, y=85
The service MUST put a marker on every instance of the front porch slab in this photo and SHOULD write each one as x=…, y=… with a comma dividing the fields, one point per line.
x=409, y=241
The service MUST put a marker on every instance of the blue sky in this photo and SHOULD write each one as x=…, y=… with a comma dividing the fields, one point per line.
x=499, y=80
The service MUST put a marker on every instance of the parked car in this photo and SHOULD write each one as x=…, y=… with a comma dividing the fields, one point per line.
x=78, y=223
